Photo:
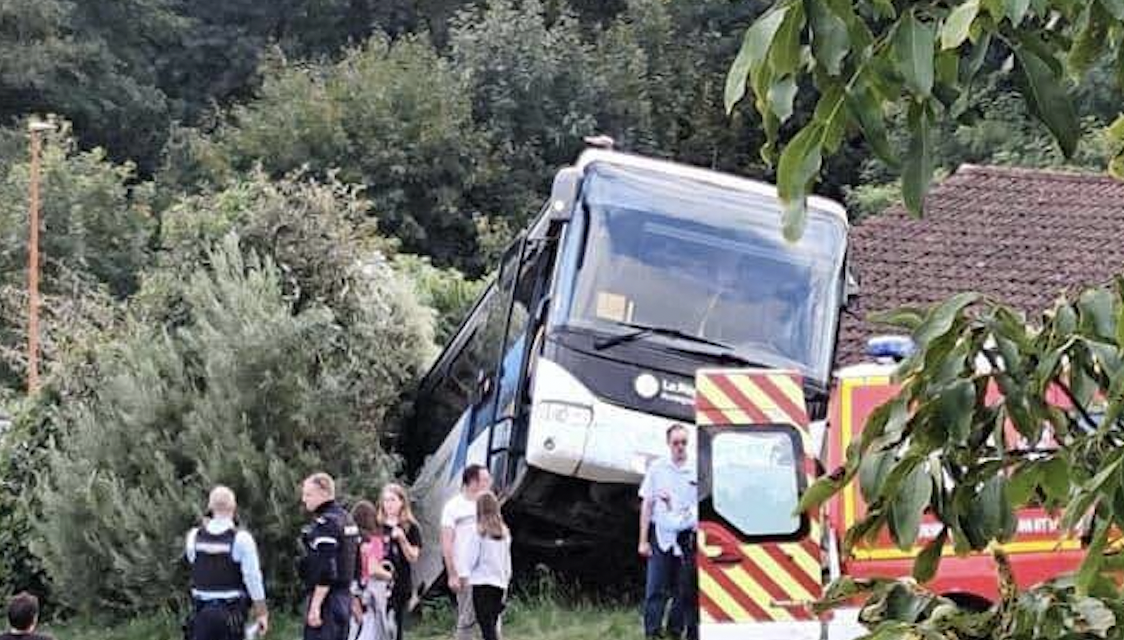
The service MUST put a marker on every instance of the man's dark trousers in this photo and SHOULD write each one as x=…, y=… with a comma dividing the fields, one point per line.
x=335, y=617
x=689, y=585
x=218, y=620
x=663, y=582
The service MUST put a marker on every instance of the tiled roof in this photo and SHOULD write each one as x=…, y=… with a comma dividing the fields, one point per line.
x=1023, y=236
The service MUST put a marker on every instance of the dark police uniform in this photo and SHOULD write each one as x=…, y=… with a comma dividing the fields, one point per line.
x=219, y=597
x=331, y=559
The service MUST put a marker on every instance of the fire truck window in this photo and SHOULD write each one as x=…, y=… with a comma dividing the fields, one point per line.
x=755, y=481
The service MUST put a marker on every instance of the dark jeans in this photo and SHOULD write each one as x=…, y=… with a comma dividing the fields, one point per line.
x=689, y=585
x=663, y=582
x=217, y=620
x=335, y=616
x=487, y=601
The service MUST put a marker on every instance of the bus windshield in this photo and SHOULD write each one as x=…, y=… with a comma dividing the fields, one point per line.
x=707, y=261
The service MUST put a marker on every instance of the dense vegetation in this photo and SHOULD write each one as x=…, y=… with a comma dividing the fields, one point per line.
x=262, y=219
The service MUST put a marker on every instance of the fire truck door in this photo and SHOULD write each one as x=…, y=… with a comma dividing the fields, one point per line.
x=759, y=559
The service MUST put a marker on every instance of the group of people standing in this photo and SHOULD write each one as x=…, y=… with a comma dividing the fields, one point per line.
x=356, y=567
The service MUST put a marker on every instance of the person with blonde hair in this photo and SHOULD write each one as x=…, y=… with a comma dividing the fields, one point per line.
x=226, y=574
x=489, y=562
x=402, y=545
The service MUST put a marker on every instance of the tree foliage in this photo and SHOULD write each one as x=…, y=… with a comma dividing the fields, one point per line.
x=96, y=227
x=366, y=120
x=944, y=445
x=248, y=391
x=476, y=147
x=863, y=57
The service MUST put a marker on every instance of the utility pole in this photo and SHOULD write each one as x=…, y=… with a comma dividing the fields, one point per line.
x=35, y=128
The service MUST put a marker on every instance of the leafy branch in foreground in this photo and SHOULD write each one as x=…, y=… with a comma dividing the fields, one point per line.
x=865, y=56
x=994, y=414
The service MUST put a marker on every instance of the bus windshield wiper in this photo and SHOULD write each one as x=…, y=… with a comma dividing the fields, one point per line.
x=642, y=330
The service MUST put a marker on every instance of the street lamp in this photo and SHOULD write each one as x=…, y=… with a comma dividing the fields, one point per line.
x=36, y=128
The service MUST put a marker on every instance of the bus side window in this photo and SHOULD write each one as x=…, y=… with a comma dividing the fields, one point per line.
x=524, y=298
x=451, y=396
x=489, y=343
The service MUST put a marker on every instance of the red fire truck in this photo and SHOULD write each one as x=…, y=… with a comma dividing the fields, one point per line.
x=760, y=565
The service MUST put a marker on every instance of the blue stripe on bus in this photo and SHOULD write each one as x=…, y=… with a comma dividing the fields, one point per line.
x=461, y=456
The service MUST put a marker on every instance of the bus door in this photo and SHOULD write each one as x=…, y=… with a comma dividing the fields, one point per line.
x=760, y=565
x=522, y=283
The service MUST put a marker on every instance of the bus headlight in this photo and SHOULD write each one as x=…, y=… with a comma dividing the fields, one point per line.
x=564, y=413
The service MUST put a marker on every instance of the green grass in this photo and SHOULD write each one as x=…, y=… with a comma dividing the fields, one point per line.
x=533, y=618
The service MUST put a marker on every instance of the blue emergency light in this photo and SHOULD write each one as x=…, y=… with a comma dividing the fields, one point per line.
x=891, y=347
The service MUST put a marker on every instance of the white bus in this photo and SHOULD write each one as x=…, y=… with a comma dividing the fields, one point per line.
x=572, y=364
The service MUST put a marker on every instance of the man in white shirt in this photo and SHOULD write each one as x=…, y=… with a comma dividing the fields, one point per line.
x=458, y=529
x=668, y=512
x=225, y=573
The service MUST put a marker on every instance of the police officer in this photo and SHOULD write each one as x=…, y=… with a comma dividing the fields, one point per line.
x=225, y=574
x=331, y=560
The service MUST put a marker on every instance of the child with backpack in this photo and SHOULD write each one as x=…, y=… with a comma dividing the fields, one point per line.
x=376, y=579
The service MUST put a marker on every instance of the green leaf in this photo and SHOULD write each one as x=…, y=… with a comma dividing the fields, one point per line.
x=830, y=41
x=1048, y=99
x=907, y=507
x=956, y=408
x=955, y=29
x=940, y=318
x=1114, y=7
x=800, y=162
x=1096, y=307
x=925, y=566
x=1016, y=10
x=947, y=88
x=913, y=50
x=781, y=96
x=995, y=511
x=1056, y=479
x=867, y=110
x=784, y=54
x=1024, y=481
x=1094, y=556
x=1091, y=40
x=817, y=494
x=905, y=317
x=872, y=473
x=831, y=112
x=755, y=46
x=917, y=169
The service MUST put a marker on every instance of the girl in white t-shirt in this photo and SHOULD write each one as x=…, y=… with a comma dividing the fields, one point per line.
x=489, y=565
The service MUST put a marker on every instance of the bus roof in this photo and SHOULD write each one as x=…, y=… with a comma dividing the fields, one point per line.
x=757, y=187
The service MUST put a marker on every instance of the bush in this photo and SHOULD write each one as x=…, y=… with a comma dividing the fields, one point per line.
x=446, y=291
x=23, y=448
x=247, y=391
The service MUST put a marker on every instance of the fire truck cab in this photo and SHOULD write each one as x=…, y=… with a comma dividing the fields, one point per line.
x=760, y=565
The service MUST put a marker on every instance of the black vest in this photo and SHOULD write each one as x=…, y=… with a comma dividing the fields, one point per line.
x=214, y=568
x=332, y=521
x=347, y=564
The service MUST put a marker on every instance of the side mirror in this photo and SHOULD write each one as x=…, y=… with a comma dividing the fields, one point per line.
x=564, y=193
